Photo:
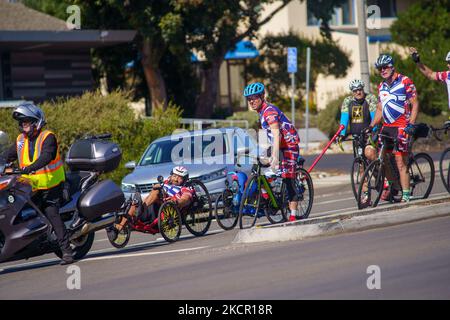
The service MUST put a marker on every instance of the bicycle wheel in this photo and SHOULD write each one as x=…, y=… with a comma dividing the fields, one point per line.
x=118, y=239
x=227, y=215
x=169, y=221
x=371, y=186
x=305, y=187
x=421, y=173
x=359, y=165
x=444, y=168
x=248, y=210
x=198, y=215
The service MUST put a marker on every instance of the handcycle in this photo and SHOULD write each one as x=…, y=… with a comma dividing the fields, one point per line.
x=420, y=168
x=262, y=197
x=444, y=160
x=196, y=217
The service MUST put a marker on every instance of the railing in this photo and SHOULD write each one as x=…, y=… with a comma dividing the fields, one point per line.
x=197, y=124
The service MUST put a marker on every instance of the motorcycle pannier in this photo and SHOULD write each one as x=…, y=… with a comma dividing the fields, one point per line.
x=93, y=155
x=104, y=197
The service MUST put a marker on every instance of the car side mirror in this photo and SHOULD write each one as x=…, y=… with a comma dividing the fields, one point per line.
x=130, y=165
x=160, y=179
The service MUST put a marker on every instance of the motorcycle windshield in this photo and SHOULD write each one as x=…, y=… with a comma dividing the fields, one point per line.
x=4, y=144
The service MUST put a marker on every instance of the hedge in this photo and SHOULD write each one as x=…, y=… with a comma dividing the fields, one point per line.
x=92, y=113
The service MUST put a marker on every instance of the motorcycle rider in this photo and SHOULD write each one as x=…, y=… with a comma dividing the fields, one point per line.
x=176, y=191
x=36, y=151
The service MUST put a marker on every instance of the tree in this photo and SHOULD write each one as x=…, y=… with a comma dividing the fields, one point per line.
x=425, y=26
x=328, y=58
x=214, y=27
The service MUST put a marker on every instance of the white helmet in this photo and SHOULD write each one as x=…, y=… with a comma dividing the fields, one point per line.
x=447, y=58
x=356, y=84
x=180, y=171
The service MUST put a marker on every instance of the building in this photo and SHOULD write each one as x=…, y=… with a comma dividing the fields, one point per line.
x=295, y=16
x=41, y=58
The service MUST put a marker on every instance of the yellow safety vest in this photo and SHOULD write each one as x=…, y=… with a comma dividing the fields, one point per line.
x=47, y=177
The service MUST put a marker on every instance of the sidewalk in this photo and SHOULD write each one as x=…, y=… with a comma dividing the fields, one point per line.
x=346, y=222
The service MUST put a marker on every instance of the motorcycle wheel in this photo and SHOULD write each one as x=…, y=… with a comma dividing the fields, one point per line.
x=80, y=246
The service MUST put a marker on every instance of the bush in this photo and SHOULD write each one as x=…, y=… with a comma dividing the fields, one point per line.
x=93, y=113
x=328, y=119
x=251, y=116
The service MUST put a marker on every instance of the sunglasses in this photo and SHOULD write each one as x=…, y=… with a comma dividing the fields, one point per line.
x=384, y=68
x=357, y=90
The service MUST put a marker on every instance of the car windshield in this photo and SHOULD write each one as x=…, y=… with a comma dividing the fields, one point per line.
x=161, y=151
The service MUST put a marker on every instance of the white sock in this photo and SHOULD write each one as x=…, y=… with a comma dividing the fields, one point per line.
x=294, y=213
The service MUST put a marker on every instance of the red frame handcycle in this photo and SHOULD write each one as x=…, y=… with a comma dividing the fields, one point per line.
x=196, y=217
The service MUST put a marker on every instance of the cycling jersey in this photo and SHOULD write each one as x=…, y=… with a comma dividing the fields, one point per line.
x=355, y=115
x=270, y=114
x=394, y=99
x=444, y=76
x=176, y=192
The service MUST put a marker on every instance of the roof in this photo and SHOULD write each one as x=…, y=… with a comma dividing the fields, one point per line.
x=18, y=17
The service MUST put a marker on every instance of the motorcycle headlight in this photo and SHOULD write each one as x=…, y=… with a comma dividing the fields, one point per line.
x=128, y=187
x=215, y=175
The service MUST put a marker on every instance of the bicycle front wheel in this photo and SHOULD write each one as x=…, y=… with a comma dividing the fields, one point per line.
x=421, y=173
x=198, y=217
x=250, y=203
x=359, y=165
x=371, y=186
x=444, y=168
x=225, y=212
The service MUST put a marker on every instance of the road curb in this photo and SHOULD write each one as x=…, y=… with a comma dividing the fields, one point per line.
x=353, y=221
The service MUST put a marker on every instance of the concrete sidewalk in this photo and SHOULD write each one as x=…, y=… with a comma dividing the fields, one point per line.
x=345, y=222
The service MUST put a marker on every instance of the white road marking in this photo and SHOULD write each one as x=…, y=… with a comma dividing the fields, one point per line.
x=140, y=254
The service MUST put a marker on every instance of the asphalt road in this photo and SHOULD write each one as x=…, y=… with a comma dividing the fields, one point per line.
x=210, y=267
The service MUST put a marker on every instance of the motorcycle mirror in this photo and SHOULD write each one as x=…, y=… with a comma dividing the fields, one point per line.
x=160, y=179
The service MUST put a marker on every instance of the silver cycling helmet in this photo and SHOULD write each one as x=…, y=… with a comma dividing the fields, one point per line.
x=384, y=60
x=29, y=112
x=356, y=84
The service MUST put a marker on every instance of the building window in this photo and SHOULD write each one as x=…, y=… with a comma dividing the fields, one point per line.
x=388, y=8
x=343, y=15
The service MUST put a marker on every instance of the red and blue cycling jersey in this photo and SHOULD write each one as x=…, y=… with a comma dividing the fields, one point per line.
x=270, y=114
x=444, y=76
x=394, y=99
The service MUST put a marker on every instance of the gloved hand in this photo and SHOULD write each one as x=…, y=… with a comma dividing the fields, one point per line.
x=368, y=130
x=410, y=129
x=339, y=139
x=26, y=170
x=414, y=55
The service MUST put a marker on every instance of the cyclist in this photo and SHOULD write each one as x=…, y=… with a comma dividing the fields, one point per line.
x=398, y=106
x=176, y=190
x=283, y=138
x=443, y=76
x=357, y=111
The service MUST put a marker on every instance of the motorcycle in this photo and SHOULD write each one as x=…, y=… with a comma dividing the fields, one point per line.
x=25, y=232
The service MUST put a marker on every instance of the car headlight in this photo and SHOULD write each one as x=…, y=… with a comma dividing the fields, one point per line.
x=215, y=175
x=128, y=187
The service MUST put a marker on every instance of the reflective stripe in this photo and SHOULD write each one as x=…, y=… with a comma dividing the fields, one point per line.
x=47, y=177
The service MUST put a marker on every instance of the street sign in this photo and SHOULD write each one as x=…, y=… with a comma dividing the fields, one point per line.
x=292, y=60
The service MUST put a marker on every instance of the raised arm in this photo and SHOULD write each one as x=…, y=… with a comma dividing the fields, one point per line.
x=427, y=72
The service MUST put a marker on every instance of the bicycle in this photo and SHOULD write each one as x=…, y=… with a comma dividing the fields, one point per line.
x=444, y=160
x=420, y=169
x=229, y=202
x=360, y=162
x=262, y=197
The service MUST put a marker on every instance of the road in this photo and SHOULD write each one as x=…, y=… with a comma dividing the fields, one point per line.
x=211, y=267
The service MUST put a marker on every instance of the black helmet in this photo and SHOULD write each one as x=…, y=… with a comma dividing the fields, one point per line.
x=29, y=112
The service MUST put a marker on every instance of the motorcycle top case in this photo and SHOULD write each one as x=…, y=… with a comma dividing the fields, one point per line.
x=93, y=155
x=104, y=197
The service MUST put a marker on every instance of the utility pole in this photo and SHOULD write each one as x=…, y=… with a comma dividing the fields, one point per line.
x=362, y=39
x=308, y=67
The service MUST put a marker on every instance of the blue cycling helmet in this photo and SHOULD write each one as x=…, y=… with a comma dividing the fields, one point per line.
x=253, y=88
x=384, y=60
